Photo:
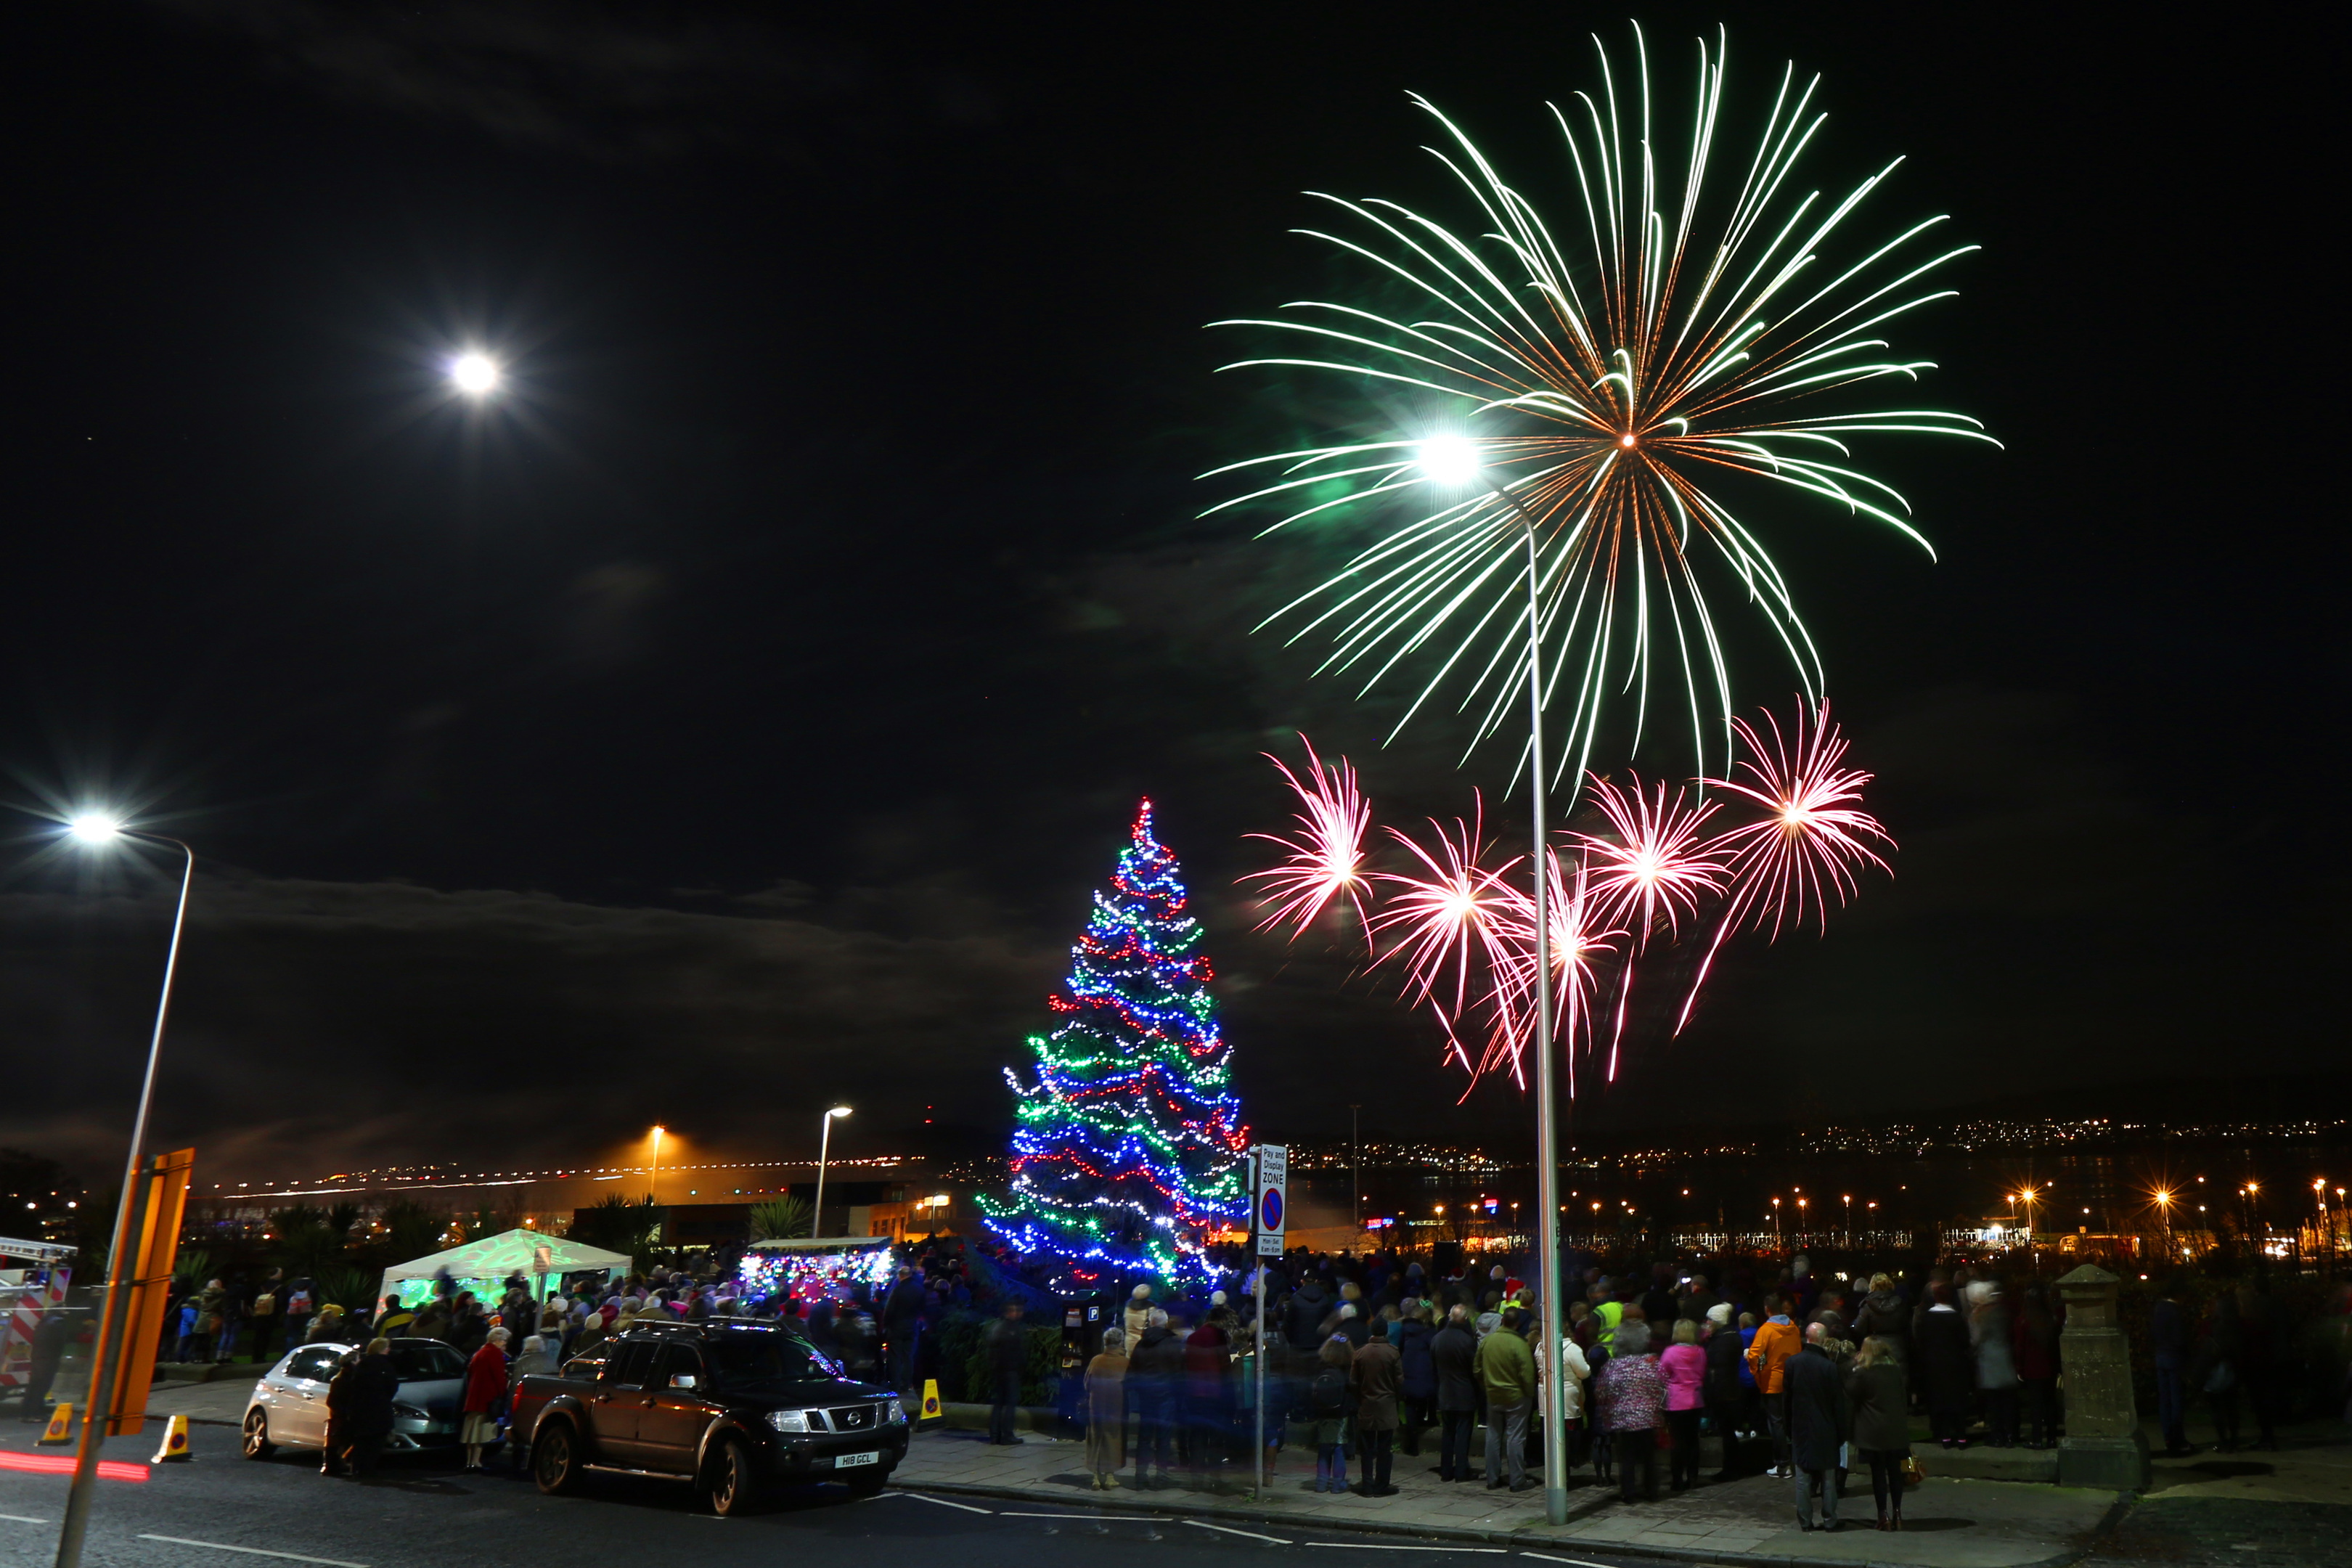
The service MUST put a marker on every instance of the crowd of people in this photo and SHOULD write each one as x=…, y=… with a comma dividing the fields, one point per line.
x=1365, y=1358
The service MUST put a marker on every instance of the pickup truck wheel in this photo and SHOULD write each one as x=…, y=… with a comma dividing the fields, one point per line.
x=554, y=1458
x=257, y=1443
x=734, y=1480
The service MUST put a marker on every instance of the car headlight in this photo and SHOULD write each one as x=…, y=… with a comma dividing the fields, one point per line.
x=894, y=1412
x=789, y=1420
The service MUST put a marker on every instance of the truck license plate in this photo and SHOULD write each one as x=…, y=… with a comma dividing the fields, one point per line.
x=842, y=1461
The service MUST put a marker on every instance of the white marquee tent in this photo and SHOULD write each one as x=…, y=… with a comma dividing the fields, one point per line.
x=483, y=1267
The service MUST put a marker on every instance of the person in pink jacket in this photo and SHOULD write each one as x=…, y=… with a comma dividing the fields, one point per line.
x=1684, y=1365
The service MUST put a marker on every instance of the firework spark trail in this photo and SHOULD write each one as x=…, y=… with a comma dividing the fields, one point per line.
x=1700, y=334
x=1811, y=842
x=1454, y=924
x=1327, y=860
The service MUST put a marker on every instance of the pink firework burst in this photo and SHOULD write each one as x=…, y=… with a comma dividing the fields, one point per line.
x=1326, y=861
x=1659, y=864
x=1455, y=932
x=1581, y=941
x=1813, y=841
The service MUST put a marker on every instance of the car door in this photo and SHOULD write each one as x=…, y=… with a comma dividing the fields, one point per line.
x=621, y=1397
x=298, y=1415
x=676, y=1410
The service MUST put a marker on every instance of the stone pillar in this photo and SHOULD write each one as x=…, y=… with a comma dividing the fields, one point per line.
x=2103, y=1445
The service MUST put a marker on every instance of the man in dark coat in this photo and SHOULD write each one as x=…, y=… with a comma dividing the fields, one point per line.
x=1419, y=1392
x=1006, y=1343
x=1821, y=1420
x=1454, y=1351
x=1378, y=1372
x=1155, y=1372
x=1726, y=1395
x=55, y=1332
x=2167, y=1340
x=1303, y=1321
x=359, y=1403
x=902, y=1311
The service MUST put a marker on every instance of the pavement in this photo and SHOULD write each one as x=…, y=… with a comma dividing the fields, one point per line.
x=2288, y=1509
x=1950, y=1523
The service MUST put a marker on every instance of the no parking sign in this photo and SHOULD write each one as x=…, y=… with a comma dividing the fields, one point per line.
x=1273, y=1174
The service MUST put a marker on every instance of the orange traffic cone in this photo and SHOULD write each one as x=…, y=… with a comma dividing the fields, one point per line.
x=175, y=1443
x=60, y=1427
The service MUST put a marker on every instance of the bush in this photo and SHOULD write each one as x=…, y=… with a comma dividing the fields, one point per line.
x=1039, y=1381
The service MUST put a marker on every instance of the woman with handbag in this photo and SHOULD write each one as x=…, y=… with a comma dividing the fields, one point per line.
x=1881, y=1427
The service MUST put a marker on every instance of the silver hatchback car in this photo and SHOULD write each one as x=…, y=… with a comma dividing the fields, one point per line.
x=289, y=1407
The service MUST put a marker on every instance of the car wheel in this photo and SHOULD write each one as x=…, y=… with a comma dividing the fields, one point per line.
x=257, y=1443
x=554, y=1460
x=734, y=1480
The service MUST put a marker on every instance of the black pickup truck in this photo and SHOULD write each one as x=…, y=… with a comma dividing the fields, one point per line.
x=732, y=1404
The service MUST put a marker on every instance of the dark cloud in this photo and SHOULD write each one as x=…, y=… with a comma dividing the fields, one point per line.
x=619, y=83
x=349, y=1022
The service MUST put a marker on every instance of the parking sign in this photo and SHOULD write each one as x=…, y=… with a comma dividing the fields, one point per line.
x=1273, y=1173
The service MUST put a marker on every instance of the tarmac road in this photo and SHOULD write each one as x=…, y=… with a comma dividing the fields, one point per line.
x=222, y=1510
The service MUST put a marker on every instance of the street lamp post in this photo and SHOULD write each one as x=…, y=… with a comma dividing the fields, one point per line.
x=1355, y=1169
x=652, y=1176
x=1454, y=460
x=96, y=830
x=824, y=1153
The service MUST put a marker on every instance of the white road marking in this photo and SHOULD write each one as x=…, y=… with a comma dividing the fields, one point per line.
x=926, y=1497
x=252, y=1551
x=22, y=1519
x=1120, y=1518
x=1385, y=1546
x=877, y=1496
x=1228, y=1530
x=1579, y=1562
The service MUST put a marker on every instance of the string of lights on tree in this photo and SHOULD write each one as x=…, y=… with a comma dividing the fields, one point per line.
x=1130, y=1146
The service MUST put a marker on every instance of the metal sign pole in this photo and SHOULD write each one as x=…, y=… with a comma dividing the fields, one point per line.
x=1271, y=1171
x=1261, y=1378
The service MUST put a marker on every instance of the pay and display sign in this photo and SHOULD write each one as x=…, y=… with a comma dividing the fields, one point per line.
x=1273, y=1179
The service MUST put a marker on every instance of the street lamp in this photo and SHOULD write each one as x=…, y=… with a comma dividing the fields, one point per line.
x=824, y=1152
x=1452, y=461
x=653, y=1177
x=98, y=830
x=476, y=374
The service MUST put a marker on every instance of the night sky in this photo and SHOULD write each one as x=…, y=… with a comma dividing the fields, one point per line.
x=734, y=717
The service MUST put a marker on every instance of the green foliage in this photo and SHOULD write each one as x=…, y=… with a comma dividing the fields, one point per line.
x=617, y=1225
x=1039, y=1379
x=348, y=1288
x=191, y=1267
x=412, y=1230
x=780, y=1218
x=308, y=1240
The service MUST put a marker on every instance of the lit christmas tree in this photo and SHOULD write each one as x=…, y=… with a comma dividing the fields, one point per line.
x=1130, y=1147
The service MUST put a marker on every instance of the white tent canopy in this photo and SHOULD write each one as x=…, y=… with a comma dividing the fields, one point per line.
x=491, y=1260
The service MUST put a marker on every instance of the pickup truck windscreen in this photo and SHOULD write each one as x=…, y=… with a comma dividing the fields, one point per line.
x=754, y=1363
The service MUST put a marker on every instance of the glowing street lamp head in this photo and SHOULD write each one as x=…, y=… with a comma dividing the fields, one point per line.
x=95, y=827
x=839, y=1110
x=475, y=373
x=1450, y=461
